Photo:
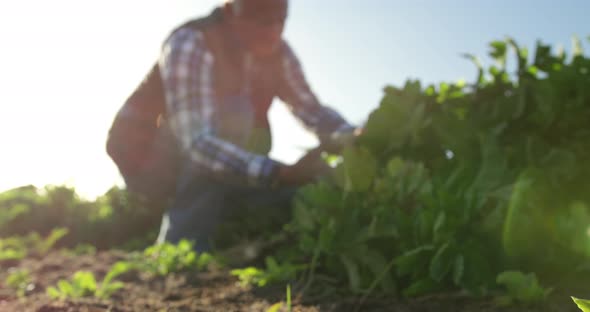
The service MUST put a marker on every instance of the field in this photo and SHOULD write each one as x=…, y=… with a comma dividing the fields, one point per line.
x=457, y=197
x=214, y=291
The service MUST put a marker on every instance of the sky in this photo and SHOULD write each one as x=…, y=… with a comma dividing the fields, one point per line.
x=67, y=66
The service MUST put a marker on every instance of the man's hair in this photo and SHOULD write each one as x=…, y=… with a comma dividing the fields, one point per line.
x=239, y=5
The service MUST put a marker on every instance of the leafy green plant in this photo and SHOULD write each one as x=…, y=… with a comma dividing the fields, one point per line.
x=20, y=280
x=42, y=246
x=522, y=288
x=165, y=258
x=12, y=248
x=18, y=247
x=101, y=222
x=8, y=214
x=83, y=284
x=450, y=183
x=108, y=287
x=273, y=273
x=583, y=304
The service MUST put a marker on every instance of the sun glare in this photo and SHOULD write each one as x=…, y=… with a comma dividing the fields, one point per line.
x=65, y=76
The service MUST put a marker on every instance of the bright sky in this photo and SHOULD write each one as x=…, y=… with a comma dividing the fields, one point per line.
x=66, y=66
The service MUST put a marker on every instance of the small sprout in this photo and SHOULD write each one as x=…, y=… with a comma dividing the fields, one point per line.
x=20, y=280
x=165, y=258
x=83, y=284
x=273, y=273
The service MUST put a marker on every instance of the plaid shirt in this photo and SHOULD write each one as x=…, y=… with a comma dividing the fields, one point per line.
x=186, y=66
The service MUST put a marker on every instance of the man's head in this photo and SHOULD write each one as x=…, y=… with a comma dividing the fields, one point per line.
x=258, y=24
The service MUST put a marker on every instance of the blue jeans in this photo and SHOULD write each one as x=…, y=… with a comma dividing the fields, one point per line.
x=201, y=202
x=201, y=205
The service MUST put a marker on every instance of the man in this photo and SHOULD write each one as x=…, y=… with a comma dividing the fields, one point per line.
x=219, y=76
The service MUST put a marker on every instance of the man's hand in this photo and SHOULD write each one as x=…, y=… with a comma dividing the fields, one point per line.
x=311, y=166
x=340, y=140
x=306, y=170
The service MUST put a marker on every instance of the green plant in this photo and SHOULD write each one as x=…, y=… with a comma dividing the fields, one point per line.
x=583, y=304
x=273, y=273
x=8, y=214
x=449, y=184
x=108, y=286
x=277, y=306
x=12, y=248
x=289, y=305
x=42, y=246
x=101, y=222
x=83, y=284
x=20, y=280
x=166, y=258
x=522, y=288
x=18, y=247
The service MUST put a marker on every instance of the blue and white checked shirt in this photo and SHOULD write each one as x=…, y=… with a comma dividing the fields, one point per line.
x=186, y=66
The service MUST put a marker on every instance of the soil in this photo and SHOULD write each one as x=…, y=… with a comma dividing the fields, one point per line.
x=215, y=290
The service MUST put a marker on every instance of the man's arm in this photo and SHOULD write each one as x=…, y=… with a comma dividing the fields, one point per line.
x=186, y=67
x=325, y=122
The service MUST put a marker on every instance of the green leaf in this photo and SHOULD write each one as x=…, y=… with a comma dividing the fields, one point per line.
x=458, y=269
x=249, y=275
x=394, y=166
x=271, y=264
x=498, y=52
x=106, y=291
x=53, y=293
x=289, y=304
x=83, y=284
x=116, y=270
x=583, y=304
x=354, y=277
x=360, y=169
x=326, y=237
x=577, y=49
x=522, y=55
x=522, y=287
x=410, y=261
x=421, y=287
x=438, y=226
x=480, y=70
x=66, y=288
x=379, y=267
x=205, y=259
x=53, y=238
x=442, y=262
x=275, y=307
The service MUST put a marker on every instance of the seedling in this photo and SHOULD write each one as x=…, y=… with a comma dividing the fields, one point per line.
x=165, y=258
x=18, y=247
x=277, y=306
x=273, y=273
x=20, y=280
x=83, y=284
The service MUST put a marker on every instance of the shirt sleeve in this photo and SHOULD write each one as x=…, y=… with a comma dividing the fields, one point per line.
x=325, y=122
x=186, y=67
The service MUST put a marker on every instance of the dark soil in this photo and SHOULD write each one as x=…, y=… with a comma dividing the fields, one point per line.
x=211, y=291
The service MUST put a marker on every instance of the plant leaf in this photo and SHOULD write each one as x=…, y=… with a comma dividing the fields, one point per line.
x=583, y=304
x=441, y=263
x=354, y=277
